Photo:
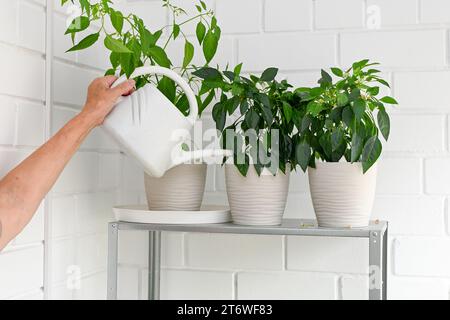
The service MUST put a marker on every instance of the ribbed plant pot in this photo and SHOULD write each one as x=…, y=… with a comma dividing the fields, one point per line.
x=342, y=195
x=256, y=200
x=180, y=189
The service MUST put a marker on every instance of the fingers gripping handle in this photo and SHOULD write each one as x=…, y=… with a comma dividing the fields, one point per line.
x=193, y=114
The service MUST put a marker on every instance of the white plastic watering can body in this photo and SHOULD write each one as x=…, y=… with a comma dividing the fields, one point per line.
x=150, y=128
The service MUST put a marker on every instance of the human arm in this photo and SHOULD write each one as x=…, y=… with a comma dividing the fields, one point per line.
x=24, y=188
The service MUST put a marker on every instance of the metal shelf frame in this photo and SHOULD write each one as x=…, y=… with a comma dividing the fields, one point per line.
x=377, y=233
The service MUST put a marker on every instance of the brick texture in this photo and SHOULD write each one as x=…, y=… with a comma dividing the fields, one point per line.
x=300, y=37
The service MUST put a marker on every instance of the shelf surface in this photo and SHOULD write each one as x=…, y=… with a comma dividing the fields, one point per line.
x=288, y=227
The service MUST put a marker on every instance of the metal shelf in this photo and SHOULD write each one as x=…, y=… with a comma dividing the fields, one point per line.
x=376, y=233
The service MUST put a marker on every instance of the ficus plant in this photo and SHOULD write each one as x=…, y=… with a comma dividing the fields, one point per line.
x=254, y=110
x=132, y=44
x=343, y=119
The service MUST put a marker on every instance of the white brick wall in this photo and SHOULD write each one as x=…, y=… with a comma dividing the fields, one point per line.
x=22, y=129
x=298, y=36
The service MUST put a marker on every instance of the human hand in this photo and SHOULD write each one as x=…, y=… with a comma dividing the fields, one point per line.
x=101, y=98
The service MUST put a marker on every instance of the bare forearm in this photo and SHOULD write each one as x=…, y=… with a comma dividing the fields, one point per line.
x=23, y=189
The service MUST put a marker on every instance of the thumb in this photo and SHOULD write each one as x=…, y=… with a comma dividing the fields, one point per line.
x=124, y=88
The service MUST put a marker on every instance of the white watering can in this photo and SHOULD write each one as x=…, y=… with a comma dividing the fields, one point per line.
x=151, y=129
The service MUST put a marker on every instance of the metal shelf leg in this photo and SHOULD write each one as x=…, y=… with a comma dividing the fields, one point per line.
x=377, y=265
x=385, y=263
x=154, y=265
x=113, y=237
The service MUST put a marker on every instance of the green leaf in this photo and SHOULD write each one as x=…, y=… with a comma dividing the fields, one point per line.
x=326, y=78
x=149, y=39
x=213, y=22
x=342, y=99
x=185, y=147
x=325, y=143
x=338, y=72
x=371, y=153
x=219, y=114
x=203, y=5
x=296, y=118
x=383, y=82
x=359, y=107
x=243, y=168
x=306, y=123
x=252, y=119
x=269, y=74
x=347, y=116
x=208, y=73
x=85, y=43
x=229, y=75
x=237, y=89
x=360, y=64
x=207, y=101
x=126, y=63
x=337, y=138
x=135, y=47
x=114, y=58
x=116, y=45
x=388, y=100
x=200, y=32
x=384, y=123
x=176, y=31
x=117, y=20
x=168, y=88
x=188, y=53
x=373, y=71
x=314, y=108
x=182, y=104
x=232, y=104
x=339, y=152
x=336, y=114
x=287, y=111
x=86, y=6
x=78, y=24
x=254, y=78
x=354, y=95
x=267, y=115
x=303, y=154
x=110, y=72
x=159, y=55
x=237, y=69
x=264, y=99
x=244, y=106
x=373, y=91
x=357, y=144
x=210, y=44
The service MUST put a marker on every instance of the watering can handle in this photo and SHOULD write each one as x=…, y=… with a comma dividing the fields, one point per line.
x=193, y=114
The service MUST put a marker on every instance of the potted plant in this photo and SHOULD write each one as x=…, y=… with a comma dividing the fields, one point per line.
x=258, y=133
x=132, y=45
x=338, y=138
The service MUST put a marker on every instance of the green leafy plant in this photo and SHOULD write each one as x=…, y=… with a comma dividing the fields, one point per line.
x=257, y=109
x=342, y=119
x=132, y=44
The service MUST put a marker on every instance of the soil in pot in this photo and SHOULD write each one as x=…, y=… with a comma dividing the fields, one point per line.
x=342, y=195
x=180, y=189
x=256, y=200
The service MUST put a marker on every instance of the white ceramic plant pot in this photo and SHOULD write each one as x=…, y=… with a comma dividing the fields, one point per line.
x=256, y=200
x=180, y=189
x=342, y=195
